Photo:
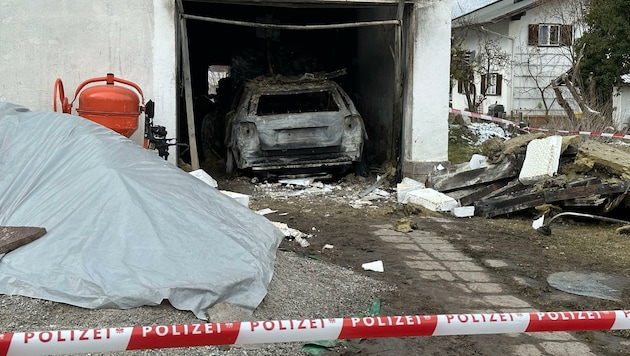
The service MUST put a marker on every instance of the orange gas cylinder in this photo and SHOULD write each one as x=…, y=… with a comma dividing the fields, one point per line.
x=112, y=106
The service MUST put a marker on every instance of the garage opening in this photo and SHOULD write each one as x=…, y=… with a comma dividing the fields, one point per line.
x=226, y=50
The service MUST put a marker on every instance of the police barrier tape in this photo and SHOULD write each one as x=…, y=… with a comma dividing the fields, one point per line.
x=273, y=331
x=568, y=132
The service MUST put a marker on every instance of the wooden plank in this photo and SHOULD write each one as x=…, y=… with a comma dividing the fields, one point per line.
x=190, y=115
x=12, y=237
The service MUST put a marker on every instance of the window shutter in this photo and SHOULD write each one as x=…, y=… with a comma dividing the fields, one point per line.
x=532, y=39
x=484, y=78
x=566, y=35
x=499, y=83
x=460, y=86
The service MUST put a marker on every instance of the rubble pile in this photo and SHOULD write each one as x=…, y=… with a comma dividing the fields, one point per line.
x=529, y=171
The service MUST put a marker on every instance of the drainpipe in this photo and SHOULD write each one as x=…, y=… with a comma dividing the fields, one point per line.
x=511, y=97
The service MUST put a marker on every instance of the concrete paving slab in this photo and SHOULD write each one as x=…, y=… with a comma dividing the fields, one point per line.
x=496, y=263
x=473, y=276
x=463, y=266
x=387, y=231
x=526, y=350
x=396, y=238
x=427, y=239
x=487, y=288
x=553, y=336
x=409, y=247
x=566, y=348
x=437, y=246
x=509, y=301
x=426, y=265
x=451, y=256
x=420, y=256
x=436, y=275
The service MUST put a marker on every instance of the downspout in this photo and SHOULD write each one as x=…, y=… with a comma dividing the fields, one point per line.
x=511, y=98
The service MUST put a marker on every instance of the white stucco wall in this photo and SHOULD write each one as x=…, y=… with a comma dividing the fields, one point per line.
x=75, y=40
x=425, y=125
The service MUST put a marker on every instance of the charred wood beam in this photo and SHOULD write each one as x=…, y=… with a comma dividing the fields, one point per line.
x=495, y=206
x=292, y=27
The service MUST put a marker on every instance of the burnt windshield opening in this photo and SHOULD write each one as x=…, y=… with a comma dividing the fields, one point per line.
x=296, y=103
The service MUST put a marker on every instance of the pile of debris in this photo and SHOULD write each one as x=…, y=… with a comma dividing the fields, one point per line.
x=531, y=171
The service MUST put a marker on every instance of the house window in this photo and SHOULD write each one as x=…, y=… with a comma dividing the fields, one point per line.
x=550, y=35
x=491, y=84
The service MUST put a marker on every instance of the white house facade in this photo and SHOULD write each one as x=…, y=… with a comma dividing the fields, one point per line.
x=535, y=39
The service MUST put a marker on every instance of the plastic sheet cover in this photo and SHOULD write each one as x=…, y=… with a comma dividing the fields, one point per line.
x=125, y=228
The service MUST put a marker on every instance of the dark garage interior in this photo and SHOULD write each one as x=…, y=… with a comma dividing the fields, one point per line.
x=365, y=52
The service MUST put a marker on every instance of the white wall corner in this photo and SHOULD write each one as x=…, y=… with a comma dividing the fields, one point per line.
x=426, y=111
x=164, y=66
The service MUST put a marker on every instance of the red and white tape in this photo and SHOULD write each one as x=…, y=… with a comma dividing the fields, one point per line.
x=273, y=331
x=481, y=117
x=508, y=122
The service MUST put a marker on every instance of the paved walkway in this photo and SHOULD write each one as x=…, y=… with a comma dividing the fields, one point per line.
x=437, y=260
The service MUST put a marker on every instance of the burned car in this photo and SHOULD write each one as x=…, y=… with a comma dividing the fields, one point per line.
x=280, y=124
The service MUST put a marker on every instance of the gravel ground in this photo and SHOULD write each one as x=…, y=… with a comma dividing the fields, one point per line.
x=301, y=288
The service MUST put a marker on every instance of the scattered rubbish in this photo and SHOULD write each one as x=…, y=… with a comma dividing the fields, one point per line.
x=293, y=234
x=12, y=237
x=477, y=161
x=405, y=225
x=303, y=182
x=589, y=284
x=376, y=266
x=538, y=223
x=372, y=187
x=204, y=177
x=328, y=247
x=546, y=229
x=266, y=211
x=623, y=230
x=283, y=214
x=360, y=203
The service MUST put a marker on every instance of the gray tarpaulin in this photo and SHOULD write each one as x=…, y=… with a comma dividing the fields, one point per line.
x=125, y=228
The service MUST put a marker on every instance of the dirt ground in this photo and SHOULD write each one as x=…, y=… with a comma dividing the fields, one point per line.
x=573, y=246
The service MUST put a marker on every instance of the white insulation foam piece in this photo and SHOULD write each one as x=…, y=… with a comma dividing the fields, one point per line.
x=241, y=198
x=405, y=186
x=432, y=199
x=541, y=160
x=463, y=211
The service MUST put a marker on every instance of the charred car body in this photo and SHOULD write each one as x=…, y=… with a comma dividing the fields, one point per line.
x=282, y=123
